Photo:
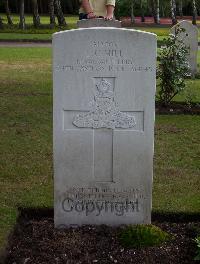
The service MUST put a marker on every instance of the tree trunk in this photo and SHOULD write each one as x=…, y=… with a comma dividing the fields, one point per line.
x=173, y=14
x=51, y=13
x=180, y=7
x=22, y=17
x=162, y=11
x=41, y=7
x=194, y=12
x=132, y=12
x=142, y=11
x=36, y=17
x=157, y=12
x=153, y=11
x=59, y=13
x=8, y=12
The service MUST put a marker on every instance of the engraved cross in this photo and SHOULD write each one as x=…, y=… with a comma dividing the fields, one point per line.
x=104, y=117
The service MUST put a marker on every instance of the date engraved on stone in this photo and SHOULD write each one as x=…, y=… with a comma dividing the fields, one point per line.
x=104, y=112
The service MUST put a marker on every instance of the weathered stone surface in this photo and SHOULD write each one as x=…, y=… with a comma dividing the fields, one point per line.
x=104, y=86
x=190, y=38
x=98, y=22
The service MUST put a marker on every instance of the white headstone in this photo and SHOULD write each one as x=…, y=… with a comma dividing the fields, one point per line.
x=98, y=22
x=104, y=87
x=190, y=38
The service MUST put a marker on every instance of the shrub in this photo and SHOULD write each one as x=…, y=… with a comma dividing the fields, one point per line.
x=142, y=236
x=173, y=67
x=197, y=240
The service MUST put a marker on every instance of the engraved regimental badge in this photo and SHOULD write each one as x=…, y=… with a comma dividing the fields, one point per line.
x=104, y=112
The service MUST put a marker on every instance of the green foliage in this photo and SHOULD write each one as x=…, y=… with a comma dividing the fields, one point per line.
x=142, y=236
x=190, y=97
x=123, y=8
x=173, y=66
x=197, y=240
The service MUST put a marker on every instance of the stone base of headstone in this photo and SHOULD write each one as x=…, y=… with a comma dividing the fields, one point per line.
x=98, y=22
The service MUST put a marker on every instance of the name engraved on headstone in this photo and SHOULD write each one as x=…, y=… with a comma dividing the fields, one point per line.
x=113, y=60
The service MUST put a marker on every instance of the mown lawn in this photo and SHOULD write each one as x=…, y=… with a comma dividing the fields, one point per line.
x=26, y=142
x=44, y=19
x=26, y=36
x=30, y=33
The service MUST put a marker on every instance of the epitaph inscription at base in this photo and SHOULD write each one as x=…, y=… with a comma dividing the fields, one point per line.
x=104, y=87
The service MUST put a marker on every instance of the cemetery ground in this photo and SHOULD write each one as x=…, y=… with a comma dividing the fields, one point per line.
x=26, y=172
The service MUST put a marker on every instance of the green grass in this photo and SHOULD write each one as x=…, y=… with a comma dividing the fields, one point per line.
x=31, y=33
x=177, y=166
x=25, y=36
x=44, y=19
x=138, y=236
x=161, y=32
x=26, y=142
x=26, y=138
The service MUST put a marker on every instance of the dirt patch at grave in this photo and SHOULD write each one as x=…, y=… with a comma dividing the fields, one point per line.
x=35, y=241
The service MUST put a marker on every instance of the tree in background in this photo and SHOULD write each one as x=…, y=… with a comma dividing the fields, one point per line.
x=36, y=17
x=8, y=14
x=157, y=12
x=153, y=8
x=142, y=5
x=132, y=12
x=124, y=8
x=173, y=11
x=51, y=13
x=59, y=13
x=194, y=12
x=22, y=17
x=180, y=7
